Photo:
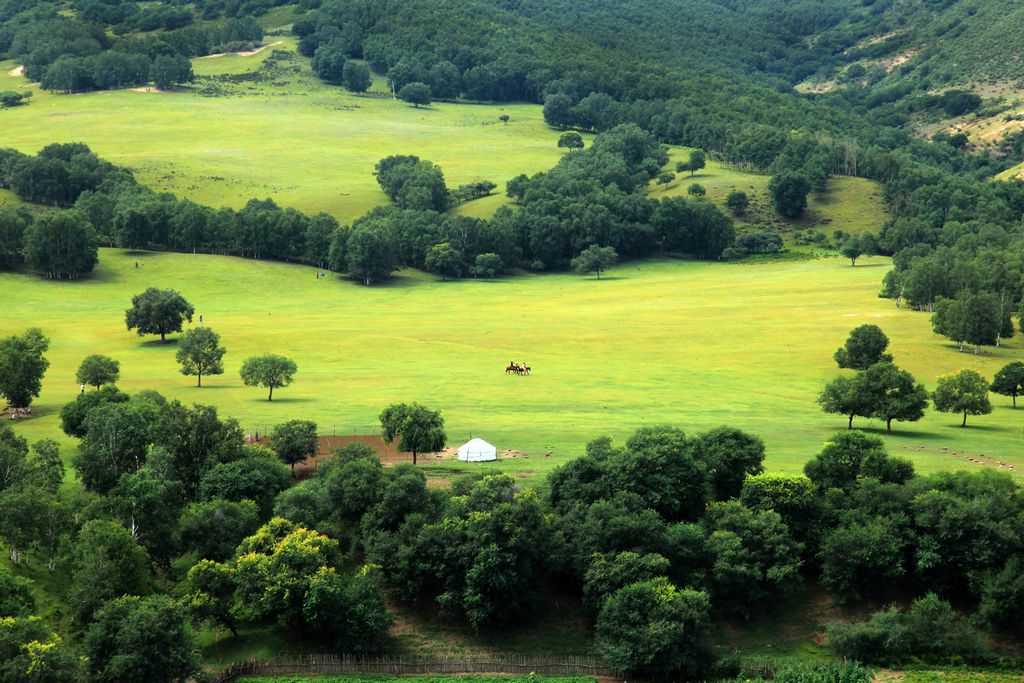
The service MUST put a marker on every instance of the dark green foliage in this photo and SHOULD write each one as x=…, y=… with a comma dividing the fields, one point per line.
x=607, y=574
x=1002, y=596
x=200, y=353
x=22, y=366
x=269, y=370
x=116, y=438
x=655, y=630
x=730, y=456
x=355, y=77
x=892, y=394
x=737, y=202
x=754, y=556
x=412, y=183
x=692, y=226
x=141, y=640
x=415, y=93
x=965, y=392
x=329, y=61
x=789, y=193
x=31, y=653
x=864, y=347
x=483, y=558
x=257, y=476
x=348, y=609
x=848, y=456
x=1009, y=381
x=417, y=428
x=970, y=317
x=864, y=557
x=570, y=139
x=16, y=598
x=158, y=311
x=61, y=245
x=214, y=529
x=930, y=630
x=148, y=504
x=657, y=464
x=294, y=441
x=96, y=370
x=106, y=563
x=594, y=259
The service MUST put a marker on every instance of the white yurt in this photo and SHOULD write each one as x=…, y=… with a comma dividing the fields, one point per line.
x=477, y=450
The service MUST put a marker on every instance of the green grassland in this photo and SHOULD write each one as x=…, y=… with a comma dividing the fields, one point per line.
x=664, y=341
x=853, y=205
x=287, y=135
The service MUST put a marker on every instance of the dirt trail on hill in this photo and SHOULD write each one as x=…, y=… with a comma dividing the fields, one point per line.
x=247, y=53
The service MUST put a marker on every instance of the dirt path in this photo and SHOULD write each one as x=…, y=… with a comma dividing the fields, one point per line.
x=247, y=53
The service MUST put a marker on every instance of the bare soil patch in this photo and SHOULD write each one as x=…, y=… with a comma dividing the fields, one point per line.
x=17, y=71
x=247, y=53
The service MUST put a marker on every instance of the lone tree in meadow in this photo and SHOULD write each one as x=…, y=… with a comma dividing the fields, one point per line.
x=789, y=192
x=696, y=190
x=200, y=353
x=294, y=441
x=270, y=371
x=415, y=94
x=965, y=392
x=22, y=366
x=1009, y=381
x=864, y=347
x=695, y=163
x=737, y=202
x=417, y=428
x=594, y=259
x=97, y=370
x=570, y=139
x=852, y=250
x=158, y=311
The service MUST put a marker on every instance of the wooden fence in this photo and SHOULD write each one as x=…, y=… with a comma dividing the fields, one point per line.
x=331, y=664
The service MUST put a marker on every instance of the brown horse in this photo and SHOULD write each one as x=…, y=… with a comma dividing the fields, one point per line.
x=517, y=369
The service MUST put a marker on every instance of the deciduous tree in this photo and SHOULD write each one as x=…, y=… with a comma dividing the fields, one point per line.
x=97, y=370
x=158, y=311
x=269, y=370
x=965, y=392
x=200, y=353
x=417, y=428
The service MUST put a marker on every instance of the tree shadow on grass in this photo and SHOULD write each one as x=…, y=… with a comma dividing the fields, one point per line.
x=157, y=343
x=871, y=265
x=904, y=433
x=605, y=278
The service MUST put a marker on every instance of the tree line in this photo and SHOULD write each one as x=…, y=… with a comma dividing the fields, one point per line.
x=592, y=197
x=70, y=54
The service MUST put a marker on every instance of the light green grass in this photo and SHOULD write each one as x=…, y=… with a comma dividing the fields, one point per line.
x=853, y=205
x=303, y=143
x=953, y=677
x=681, y=342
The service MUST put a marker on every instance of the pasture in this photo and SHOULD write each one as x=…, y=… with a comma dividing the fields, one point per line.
x=289, y=136
x=665, y=341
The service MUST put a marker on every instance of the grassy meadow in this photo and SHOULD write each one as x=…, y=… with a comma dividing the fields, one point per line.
x=854, y=205
x=665, y=341
x=292, y=138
